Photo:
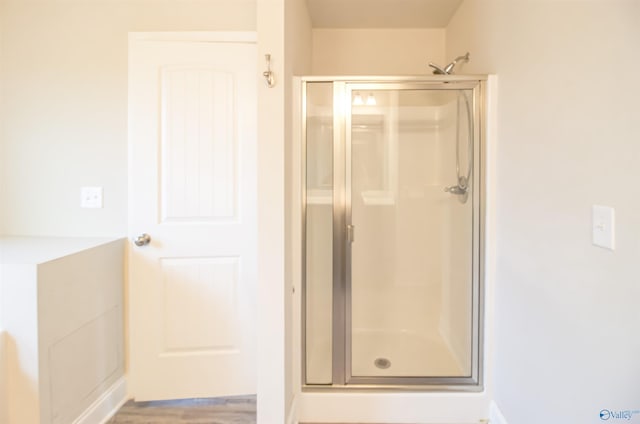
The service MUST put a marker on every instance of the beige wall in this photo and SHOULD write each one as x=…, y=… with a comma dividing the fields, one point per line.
x=65, y=104
x=2, y=153
x=298, y=42
x=568, y=137
x=284, y=32
x=376, y=51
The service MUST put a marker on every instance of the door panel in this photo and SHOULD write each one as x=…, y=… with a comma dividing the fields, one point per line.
x=198, y=149
x=192, y=114
x=200, y=301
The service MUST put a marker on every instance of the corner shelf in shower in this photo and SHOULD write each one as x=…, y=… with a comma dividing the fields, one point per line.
x=378, y=198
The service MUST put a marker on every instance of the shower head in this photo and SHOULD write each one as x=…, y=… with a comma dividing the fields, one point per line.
x=437, y=70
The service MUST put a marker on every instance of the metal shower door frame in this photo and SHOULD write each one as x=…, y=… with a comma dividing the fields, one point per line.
x=342, y=377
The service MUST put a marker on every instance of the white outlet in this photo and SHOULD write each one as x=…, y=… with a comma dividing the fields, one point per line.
x=91, y=197
x=603, y=226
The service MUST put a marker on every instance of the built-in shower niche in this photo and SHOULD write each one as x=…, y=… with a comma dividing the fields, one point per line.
x=391, y=264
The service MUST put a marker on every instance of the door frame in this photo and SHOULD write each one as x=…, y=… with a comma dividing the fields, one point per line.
x=341, y=312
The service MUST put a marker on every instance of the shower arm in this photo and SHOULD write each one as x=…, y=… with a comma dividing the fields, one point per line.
x=449, y=68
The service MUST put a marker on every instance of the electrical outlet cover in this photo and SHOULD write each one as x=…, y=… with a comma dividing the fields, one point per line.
x=91, y=197
x=603, y=226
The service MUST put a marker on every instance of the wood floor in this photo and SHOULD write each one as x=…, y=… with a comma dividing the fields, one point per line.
x=231, y=410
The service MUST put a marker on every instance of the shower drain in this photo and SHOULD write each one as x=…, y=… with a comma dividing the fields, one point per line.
x=382, y=363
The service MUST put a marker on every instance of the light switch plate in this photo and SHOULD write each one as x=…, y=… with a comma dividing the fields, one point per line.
x=603, y=226
x=91, y=197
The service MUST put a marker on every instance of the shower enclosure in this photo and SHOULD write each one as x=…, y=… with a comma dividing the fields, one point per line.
x=392, y=233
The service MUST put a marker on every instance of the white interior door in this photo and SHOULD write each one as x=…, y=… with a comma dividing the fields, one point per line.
x=192, y=140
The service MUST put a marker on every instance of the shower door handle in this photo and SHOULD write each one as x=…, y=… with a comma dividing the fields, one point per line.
x=350, y=233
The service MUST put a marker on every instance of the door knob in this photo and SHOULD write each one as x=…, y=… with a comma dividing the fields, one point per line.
x=143, y=240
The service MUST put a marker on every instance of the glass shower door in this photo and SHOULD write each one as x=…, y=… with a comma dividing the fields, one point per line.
x=412, y=224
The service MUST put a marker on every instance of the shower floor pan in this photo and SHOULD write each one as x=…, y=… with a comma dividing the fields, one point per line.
x=379, y=353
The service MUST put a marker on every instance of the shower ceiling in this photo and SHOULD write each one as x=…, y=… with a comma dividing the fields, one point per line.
x=381, y=13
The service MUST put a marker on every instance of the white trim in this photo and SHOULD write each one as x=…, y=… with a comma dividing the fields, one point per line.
x=106, y=405
x=491, y=141
x=201, y=36
x=295, y=228
x=293, y=411
x=495, y=415
x=4, y=402
x=387, y=407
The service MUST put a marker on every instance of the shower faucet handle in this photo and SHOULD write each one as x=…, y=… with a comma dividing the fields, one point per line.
x=455, y=190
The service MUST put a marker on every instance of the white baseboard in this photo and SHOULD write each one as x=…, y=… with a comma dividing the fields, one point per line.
x=495, y=416
x=4, y=402
x=106, y=405
x=293, y=411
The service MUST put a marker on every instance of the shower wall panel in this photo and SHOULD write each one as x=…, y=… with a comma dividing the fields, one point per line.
x=399, y=267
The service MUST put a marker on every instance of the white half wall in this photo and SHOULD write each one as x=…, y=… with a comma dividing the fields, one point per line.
x=566, y=312
x=62, y=315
